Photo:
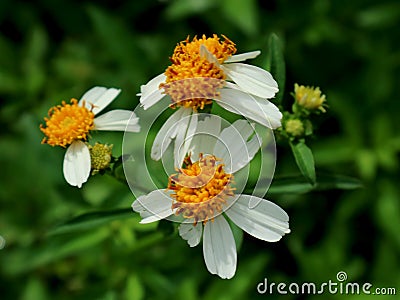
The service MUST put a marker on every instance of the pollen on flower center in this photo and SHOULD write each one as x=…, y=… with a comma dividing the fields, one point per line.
x=67, y=123
x=200, y=188
x=187, y=63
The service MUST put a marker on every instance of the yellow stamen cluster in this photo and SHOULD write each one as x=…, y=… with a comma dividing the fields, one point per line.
x=100, y=157
x=309, y=97
x=194, y=92
x=67, y=123
x=187, y=63
x=200, y=189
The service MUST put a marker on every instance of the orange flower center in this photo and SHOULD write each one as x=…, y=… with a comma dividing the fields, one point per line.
x=187, y=63
x=67, y=123
x=201, y=188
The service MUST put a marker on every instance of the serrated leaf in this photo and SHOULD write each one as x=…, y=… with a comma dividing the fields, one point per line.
x=305, y=160
x=91, y=220
x=276, y=64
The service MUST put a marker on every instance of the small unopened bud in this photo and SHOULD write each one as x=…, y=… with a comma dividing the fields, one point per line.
x=100, y=156
x=309, y=97
x=294, y=127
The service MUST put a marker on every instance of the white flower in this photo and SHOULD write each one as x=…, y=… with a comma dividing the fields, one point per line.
x=70, y=124
x=237, y=87
x=190, y=195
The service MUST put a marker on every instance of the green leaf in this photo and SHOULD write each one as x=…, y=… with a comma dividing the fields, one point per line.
x=134, y=289
x=379, y=16
x=91, y=220
x=337, y=181
x=299, y=184
x=237, y=234
x=305, y=160
x=276, y=64
x=290, y=185
x=34, y=289
x=184, y=8
x=106, y=25
x=308, y=127
x=248, y=22
x=57, y=248
x=161, y=284
x=388, y=210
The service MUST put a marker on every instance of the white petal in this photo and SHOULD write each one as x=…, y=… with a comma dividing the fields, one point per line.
x=260, y=110
x=94, y=93
x=151, y=93
x=168, y=132
x=186, y=128
x=252, y=79
x=205, y=136
x=219, y=248
x=153, y=84
x=208, y=55
x=191, y=233
x=242, y=56
x=117, y=120
x=266, y=221
x=234, y=149
x=154, y=206
x=77, y=164
x=98, y=98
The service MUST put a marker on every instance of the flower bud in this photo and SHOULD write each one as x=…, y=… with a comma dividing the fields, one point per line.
x=294, y=127
x=100, y=157
x=309, y=97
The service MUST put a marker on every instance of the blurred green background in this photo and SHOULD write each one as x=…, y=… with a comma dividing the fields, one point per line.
x=55, y=50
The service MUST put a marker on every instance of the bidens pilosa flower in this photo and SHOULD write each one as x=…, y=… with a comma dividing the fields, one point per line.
x=69, y=125
x=309, y=97
x=203, y=190
x=203, y=70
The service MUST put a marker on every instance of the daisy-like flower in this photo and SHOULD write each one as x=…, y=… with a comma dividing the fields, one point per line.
x=204, y=70
x=202, y=195
x=69, y=126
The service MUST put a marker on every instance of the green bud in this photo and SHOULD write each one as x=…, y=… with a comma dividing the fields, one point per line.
x=294, y=127
x=100, y=156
